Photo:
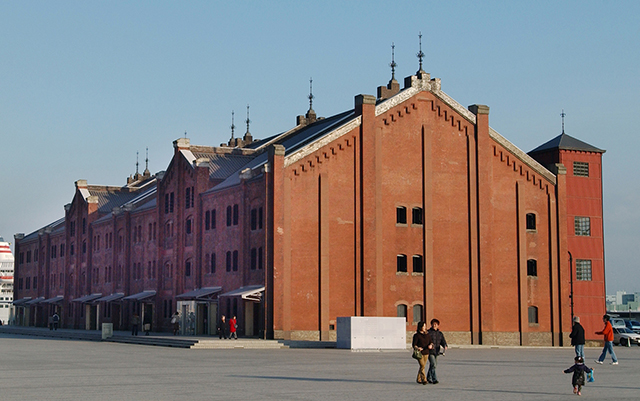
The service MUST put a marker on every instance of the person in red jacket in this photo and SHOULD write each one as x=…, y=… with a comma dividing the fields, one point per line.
x=607, y=332
x=233, y=325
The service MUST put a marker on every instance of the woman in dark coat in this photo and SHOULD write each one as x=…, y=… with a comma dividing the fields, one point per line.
x=422, y=342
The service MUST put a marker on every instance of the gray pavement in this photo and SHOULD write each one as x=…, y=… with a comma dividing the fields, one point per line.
x=33, y=368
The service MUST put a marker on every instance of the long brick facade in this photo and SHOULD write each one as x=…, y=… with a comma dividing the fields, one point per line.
x=407, y=205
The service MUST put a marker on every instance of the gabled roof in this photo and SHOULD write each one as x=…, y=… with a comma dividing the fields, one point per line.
x=566, y=142
x=222, y=161
x=53, y=227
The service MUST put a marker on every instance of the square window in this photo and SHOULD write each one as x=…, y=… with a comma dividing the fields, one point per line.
x=581, y=169
x=583, y=270
x=582, y=226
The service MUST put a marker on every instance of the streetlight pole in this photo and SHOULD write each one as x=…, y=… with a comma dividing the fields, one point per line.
x=571, y=283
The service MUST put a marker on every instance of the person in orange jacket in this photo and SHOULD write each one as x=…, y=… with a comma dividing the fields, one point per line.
x=607, y=332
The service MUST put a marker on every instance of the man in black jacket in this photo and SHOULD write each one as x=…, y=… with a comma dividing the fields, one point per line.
x=577, y=337
x=437, y=338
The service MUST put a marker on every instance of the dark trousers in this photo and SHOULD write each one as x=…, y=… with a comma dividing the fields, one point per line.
x=134, y=329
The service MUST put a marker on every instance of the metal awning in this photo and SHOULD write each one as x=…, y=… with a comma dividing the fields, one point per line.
x=140, y=296
x=110, y=298
x=21, y=301
x=249, y=292
x=200, y=294
x=87, y=298
x=35, y=301
x=53, y=300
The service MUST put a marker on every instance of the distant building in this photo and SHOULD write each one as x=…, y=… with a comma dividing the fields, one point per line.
x=408, y=204
x=6, y=283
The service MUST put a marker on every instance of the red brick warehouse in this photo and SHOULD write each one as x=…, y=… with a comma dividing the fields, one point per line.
x=406, y=205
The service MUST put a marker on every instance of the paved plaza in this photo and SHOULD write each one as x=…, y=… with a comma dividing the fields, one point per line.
x=33, y=368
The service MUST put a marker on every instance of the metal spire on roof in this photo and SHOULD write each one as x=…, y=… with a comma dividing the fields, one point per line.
x=146, y=161
x=311, y=94
x=248, y=121
x=233, y=125
x=562, y=115
x=420, y=54
x=393, y=64
x=136, y=162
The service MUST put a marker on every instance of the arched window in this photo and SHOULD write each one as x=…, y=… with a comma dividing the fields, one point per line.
x=417, y=264
x=532, y=268
x=401, y=263
x=401, y=215
x=417, y=313
x=531, y=221
x=416, y=216
x=533, y=315
x=402, y=311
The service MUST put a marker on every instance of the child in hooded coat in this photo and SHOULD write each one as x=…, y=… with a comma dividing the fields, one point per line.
x=578, y=379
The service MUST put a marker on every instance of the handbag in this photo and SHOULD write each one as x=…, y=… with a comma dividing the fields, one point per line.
x=416, y=354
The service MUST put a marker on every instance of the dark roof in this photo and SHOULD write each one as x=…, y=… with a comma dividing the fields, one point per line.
x=291, y=142
x=566, y=142
x=53, y=227
x=222, y=166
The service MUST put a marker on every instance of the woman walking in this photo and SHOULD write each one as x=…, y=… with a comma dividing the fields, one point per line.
x=422, y=342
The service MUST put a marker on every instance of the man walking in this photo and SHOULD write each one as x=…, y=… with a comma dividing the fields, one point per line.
x=607, y=332
x=577, y=337
x=437, y=338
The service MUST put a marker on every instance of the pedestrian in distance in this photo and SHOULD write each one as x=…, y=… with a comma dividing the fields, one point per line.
x=175, y=323
x=607, y=333
x=56, y=320
x=135, y=322
x=439, y=343
x=50, y=322
x=578, y=379
x=223, y=327
x=422, y=343
x=147, y=324
x=577, y=337
x=233, y=325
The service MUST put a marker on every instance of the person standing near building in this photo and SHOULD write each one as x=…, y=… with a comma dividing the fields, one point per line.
x=135, y=322
x=222, y=328
x=438, y=340
x=607, y=333
x=147, y=323
x=422, y=342
x=577, y=337
x=175, y=322
x=56, y=320
x=233, y=325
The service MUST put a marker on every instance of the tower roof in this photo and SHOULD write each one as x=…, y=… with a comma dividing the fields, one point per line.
x=566, y=142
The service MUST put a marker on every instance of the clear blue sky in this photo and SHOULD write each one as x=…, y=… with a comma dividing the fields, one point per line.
x=86, y=84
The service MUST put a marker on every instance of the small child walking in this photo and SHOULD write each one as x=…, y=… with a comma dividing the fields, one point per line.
x=578, y=379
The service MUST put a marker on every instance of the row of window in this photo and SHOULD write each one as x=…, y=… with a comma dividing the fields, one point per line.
x=401, y=263
x=583, y=269
x=72, y=227
x=417, y=310
x=416, y=215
